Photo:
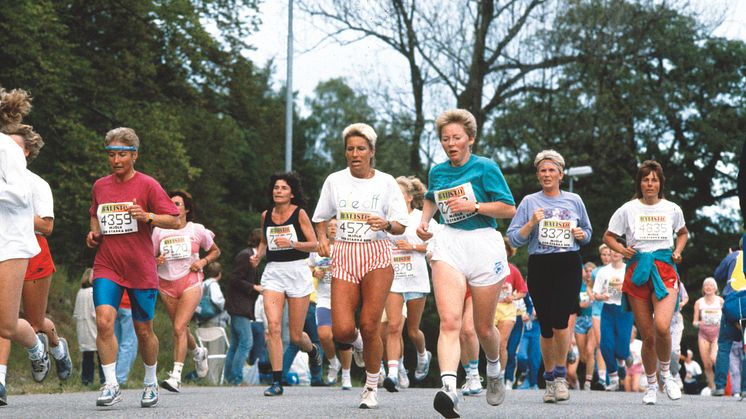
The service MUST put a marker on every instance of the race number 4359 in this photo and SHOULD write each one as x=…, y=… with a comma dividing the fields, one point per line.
x=114, y=218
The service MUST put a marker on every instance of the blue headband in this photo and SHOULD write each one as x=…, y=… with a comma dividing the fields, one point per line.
x=121, y=148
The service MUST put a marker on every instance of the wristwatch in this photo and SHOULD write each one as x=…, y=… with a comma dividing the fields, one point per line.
x=388, y=226
x=150, y=219
x=476, y=208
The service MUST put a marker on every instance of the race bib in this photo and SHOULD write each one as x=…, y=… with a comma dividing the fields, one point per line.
x=275, y=232
x=403, y=267
x=615, y=287
x=176, y=247
x=113, y=218
x=652, y=227
x=556, y=233
x=584, y=298
x=353, y=227
x=711, y=316
x=464, y=191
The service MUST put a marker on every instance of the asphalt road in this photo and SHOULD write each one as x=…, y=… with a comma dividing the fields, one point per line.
x=307, y=402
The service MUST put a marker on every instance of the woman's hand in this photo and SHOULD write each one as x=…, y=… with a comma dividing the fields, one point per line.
x=283, y=242
x=676, y=256
x=404, y=245
x=322, y=248
x=628, y=252
x=377, y=223
x=460, y=204
x=92, y=239
x=537, y=216
x=160, y=260
x=578, y=233
x=198, y=265
x=137, y=212
x=422, y=231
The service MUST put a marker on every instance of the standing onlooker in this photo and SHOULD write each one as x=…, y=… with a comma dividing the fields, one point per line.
x=84, y=314
x=213, y=274
x=240, y=298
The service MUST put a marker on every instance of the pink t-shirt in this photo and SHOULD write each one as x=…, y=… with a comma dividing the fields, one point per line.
x=127, y=259
x=170, y=243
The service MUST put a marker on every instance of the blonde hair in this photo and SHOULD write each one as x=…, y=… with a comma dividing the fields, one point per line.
x=714, y=284
x=32, y=141
x=457, y=116
x=14, y=105
x=415, y=188
x=360, y=130
x=509, y=249
x=550, y=155
x=85, y=279
x=602, y=247
x=123, y=135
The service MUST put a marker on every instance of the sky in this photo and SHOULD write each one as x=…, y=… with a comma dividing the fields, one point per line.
x=315, y=60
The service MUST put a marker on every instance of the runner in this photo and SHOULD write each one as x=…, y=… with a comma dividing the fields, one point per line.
x=651, y=282
x=322, y=271
x=288, y=238
x=180, y=287
x=584, y=326
x=468, y=253
x=513, y=290
x=707, y=313
x=17, y=241
x=554, y=224
x=616, y=324
x=604, y=254
x=38, y=276
x=125, y=207
x=367, y=204
x=411, y=286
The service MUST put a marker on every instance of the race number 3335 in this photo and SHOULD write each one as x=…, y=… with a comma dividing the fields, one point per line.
x=556, y=233
x=464, y=191
x=113, y=218
x=654, y=227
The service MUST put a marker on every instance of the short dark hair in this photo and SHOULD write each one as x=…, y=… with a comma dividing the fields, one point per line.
x=255, y=237
x=647, y=167
x=188, y=202
x=213, y=269
x=292, y=179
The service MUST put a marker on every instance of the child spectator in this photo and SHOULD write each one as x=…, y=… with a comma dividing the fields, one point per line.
x=84, y=314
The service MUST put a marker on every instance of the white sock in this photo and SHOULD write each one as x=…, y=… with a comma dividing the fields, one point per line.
x=110, y=374
x=176, y=372
x=602, y=376
x=58, y=352
x=493, y=367
x=371, y=380
x=150, y=378
x=346, y=375
x=357, y=344
x=421, y=358
x=3, y=372
x=449, y=379
x=393, y=369
x=334, y=362
x=37, y=351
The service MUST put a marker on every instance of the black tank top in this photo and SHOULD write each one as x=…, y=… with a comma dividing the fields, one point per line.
x=272, y=230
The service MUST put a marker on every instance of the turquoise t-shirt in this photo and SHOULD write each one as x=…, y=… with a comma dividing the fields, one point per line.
x=479, y=179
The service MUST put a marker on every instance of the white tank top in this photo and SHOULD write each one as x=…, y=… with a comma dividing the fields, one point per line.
x=710, y=313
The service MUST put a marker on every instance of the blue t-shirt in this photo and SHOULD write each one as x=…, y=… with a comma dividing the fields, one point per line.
x=565, y=207
x=480, y=175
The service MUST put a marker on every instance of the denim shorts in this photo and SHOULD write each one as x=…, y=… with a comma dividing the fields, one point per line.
x=596, y=308
x=583, y=324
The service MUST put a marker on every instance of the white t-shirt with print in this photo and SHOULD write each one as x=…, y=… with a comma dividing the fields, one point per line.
x=609, y=280
x=410, y=266
x=647, y=228
x=352, y=200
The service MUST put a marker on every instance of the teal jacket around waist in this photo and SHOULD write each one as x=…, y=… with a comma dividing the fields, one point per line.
x=647, y=271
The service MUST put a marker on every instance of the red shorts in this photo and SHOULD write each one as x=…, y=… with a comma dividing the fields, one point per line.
x=41, y=265
x=175, y=289
x=352, y=261
x=645, y=291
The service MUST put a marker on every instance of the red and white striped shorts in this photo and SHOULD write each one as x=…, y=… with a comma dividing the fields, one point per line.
x=352, y=261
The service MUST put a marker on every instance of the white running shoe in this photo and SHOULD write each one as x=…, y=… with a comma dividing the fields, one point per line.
x=495, y=390
x=403, y=377
x=587, y=385
x=149, y=396
x=109, y=396
x=172, y=384
x=472, y=386
x=561, y=391
x=549, y=396
x=651, y=394
x=357, y=356
x=446, y=403
x=332, y=372
x=420, y=373
x=346, y=383
x=369, y=398
x=671, y=387
x=508, y=385
x=200, y=362
x=613, y=384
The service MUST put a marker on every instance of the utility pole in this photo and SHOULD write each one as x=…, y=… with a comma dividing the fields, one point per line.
x=289, y=94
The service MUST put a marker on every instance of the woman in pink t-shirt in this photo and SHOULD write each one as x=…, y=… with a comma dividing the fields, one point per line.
x=180, y=281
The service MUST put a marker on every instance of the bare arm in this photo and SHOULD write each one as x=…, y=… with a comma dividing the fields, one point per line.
x=44, y=225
